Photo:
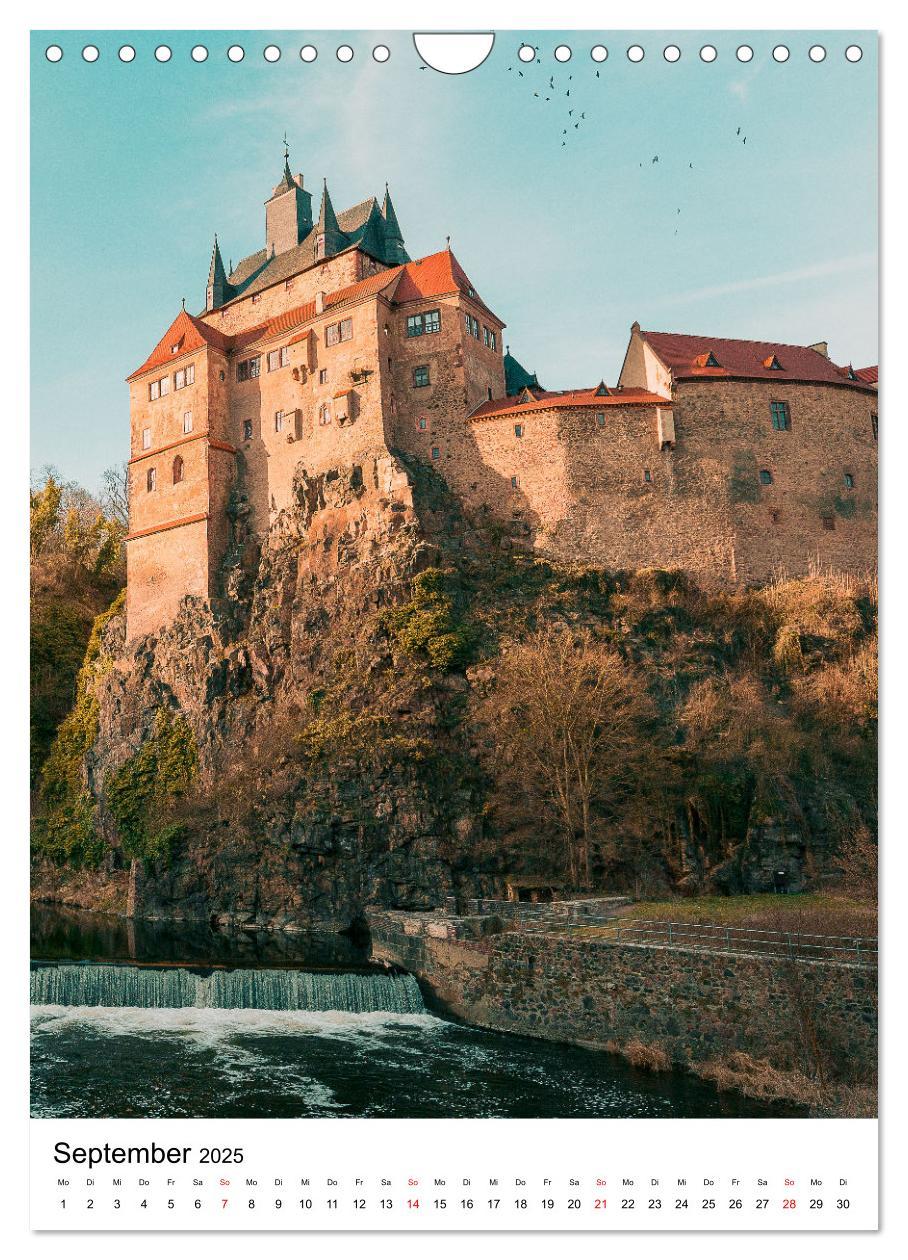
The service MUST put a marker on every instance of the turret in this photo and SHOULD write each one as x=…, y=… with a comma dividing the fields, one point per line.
x=218, y=290
x=288, y=212
x=394, y=240
x=329, y=239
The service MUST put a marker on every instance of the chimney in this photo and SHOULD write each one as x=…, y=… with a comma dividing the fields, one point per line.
x=821, y=347
x=320, y=302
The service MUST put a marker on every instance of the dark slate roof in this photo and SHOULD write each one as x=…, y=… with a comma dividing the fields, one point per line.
x=361, y=225
x=516, y=377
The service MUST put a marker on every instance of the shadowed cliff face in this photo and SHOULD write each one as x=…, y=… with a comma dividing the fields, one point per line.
x=336, y=730
x=372, y=808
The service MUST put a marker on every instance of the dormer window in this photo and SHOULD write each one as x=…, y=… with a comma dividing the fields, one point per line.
x=175, y=349
x=772, y=364
x=602, y=390
x=707, y=360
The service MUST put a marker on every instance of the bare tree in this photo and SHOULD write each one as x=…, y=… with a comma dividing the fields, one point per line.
x=115, y=494
x=574, y=716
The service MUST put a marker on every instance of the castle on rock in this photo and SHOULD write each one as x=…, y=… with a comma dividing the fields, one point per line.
x=330, y=348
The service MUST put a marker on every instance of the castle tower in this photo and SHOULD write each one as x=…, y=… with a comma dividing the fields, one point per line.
x=394, y=240
x=329, y=239
x=288, y=212
x=218, y=290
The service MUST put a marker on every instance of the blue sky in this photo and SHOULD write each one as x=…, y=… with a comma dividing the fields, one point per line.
x=569, y=238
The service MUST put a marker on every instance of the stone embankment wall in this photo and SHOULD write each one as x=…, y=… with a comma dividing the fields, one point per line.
x=695, y=1005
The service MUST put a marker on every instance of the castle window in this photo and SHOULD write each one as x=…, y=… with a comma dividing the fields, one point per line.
x=487, y=335
x=600, y=419
x=247, y=430
x=151, y=479
x=288, y=285
x=187, y=421
x=190, y=374
x=256, y=297
x=426, y=322
x=420, y=376
x=515, y=482
x=177, y=470
x=335, y=333
x=422, y=423
x=493, y=339
x=179, y=378
x=274, y=360
x=489, y=393
x=323, y=376
x=154, y=390
x=278, y=421
x=518, y=430
x=828, y=522
x=849, y=481
x=781, y=416
x=324, y=414
x=285, y=355
x=146, y=439
x=875, y=424
x=765, y=477
x=647, y=475
x=775, y=517
x=435, y=452
x=249, y=369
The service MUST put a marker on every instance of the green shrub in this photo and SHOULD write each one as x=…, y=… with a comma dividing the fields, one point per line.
x=141, y=793
x=430, y=627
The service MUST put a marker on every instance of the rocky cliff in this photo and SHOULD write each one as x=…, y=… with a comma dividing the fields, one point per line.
x=324, y=737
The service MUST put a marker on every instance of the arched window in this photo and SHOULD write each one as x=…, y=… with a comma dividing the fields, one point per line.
x=178, y=469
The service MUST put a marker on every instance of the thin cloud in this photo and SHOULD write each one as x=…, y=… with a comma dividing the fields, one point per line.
x=816, y=271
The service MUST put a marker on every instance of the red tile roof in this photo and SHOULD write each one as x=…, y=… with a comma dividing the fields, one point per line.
x=869, y=374
x=363, y=288
x=187, y=333
x=686, y=356
x=434, y=276
x=546, y=400
x=438, y=275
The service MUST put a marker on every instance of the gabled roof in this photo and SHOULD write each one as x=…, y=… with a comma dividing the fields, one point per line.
x=546, y=400
x=437, y=275
x=186, y=333
x=691, y=357
x=869, y=375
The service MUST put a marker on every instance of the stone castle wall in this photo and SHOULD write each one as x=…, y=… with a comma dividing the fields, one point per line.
x=599, y=487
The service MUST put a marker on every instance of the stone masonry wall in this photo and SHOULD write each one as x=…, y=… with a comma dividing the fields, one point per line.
x=695, y=1005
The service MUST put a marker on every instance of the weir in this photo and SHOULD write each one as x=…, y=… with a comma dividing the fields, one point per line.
x=273, y=989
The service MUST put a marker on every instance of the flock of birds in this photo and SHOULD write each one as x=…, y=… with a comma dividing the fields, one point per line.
x=576, y=118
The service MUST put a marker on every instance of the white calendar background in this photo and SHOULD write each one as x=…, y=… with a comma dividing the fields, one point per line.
x=459, y=1174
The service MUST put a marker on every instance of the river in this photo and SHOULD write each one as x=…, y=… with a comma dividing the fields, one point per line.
x=137, y=1019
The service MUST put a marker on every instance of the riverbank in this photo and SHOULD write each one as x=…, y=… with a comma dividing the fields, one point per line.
x=768, y=1026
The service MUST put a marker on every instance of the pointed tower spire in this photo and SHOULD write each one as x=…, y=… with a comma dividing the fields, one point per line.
x=329, y=238
x=393, y=235
x=218, y=286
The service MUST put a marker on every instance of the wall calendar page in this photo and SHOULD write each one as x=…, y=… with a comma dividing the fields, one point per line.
x=454, y=624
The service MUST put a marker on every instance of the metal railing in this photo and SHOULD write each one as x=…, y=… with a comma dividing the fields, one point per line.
x=572, y=920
